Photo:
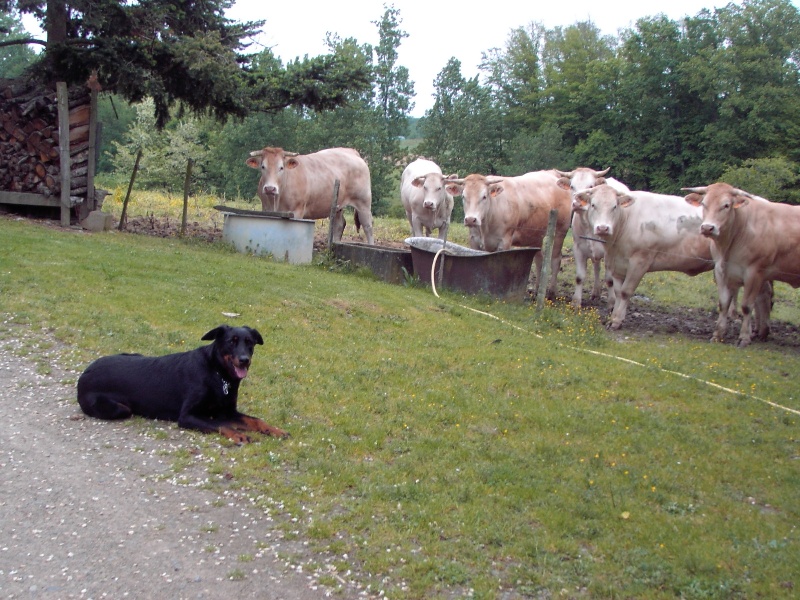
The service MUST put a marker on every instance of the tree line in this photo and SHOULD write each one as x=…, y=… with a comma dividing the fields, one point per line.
x=664, y=103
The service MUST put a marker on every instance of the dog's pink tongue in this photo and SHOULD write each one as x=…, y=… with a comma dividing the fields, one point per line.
x=241, y=372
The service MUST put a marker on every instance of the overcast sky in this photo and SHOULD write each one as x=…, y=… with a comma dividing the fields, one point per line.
x=439, y=29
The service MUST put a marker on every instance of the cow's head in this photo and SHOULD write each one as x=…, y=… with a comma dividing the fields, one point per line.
x=719, y=203
x=602, y=206
x=434, y=187
x=580, y=179
x=477, y=192
x=273, y=163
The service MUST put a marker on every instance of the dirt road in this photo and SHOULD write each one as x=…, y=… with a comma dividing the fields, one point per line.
x=92, y=509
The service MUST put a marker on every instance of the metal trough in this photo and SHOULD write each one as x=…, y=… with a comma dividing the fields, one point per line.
x=278, y=234
x=386, y=263
x=504, y=274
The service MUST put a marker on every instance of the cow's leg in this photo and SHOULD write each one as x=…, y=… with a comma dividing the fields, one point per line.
x=752, y=288
x=636, y=270
x=416, y=226
x=538, y=260
x=555, y=266
x=726, y=295
x=596, y=284
x=443, y=230
x=608, y=261
x=338, y=224
x=763, y=309
x=579, y=254
x=365, y=216
x=607, y=279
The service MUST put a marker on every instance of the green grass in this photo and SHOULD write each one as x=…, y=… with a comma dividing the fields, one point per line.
x=437, y=452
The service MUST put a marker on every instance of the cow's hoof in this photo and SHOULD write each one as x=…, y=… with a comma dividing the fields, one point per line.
x=743, y=343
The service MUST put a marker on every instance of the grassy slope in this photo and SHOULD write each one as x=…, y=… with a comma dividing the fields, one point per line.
x=436, y=450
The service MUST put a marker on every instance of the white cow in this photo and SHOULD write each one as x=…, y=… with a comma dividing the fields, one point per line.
x=756, y=241
x=584, y=246
x=644, y=232
x=427, y=203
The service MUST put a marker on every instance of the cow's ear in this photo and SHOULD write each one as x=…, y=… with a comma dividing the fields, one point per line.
x=292, y=163
x=694, y=199
x=253, y=162
x=740, y=199
x=495, y=190
x=454, y=189
x=418, y=181
x=453, y=176
x=600, y=181
x=214, y=333
x=563, y=183
x=581, y=200
x=256, y=336
x=625, y=200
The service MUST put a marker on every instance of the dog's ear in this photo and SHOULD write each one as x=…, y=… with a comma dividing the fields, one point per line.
x=256, y=336
x=214, y=333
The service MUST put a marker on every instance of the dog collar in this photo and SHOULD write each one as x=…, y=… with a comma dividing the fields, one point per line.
x=226, y=386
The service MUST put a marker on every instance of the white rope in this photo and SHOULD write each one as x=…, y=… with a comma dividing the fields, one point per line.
x=619, y=358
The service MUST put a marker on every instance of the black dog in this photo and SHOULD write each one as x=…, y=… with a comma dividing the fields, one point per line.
x=198, y=389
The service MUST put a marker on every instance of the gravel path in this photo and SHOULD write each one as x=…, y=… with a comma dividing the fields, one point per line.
x=92, y=509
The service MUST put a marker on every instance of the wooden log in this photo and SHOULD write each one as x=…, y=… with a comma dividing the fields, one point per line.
x=77, y=182
x=79, y=116
x=39, y=124
x=78, y=148
x=79, y=134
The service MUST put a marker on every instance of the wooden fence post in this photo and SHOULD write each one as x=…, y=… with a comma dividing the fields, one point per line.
x=91, y=201
x=65, y=165
x=186, y=185
x=123, y=217
x=541, y=284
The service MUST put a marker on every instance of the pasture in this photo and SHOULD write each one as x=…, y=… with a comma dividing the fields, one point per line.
x=437, y=451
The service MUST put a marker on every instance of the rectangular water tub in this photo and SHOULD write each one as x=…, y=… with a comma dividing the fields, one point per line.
x=503, y=274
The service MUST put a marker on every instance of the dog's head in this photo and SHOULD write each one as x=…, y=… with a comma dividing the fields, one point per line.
x=233, y=347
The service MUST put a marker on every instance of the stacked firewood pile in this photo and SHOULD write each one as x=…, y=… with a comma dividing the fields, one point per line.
x=29, y=139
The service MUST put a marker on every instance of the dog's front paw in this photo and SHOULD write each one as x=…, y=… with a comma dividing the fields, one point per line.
x=278, y=433
x=235, y=436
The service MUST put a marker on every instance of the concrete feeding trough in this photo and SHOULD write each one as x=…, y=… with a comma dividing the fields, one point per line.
x=387, y=264
x=277, y=234
x=504, y=274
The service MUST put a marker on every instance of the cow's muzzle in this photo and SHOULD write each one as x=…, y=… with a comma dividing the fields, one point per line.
x=602, y=230
x=708, y=230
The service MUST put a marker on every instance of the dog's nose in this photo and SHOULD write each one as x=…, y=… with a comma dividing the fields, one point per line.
x=244, y=361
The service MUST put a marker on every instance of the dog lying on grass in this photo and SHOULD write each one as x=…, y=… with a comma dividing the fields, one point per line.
x=198, y=389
